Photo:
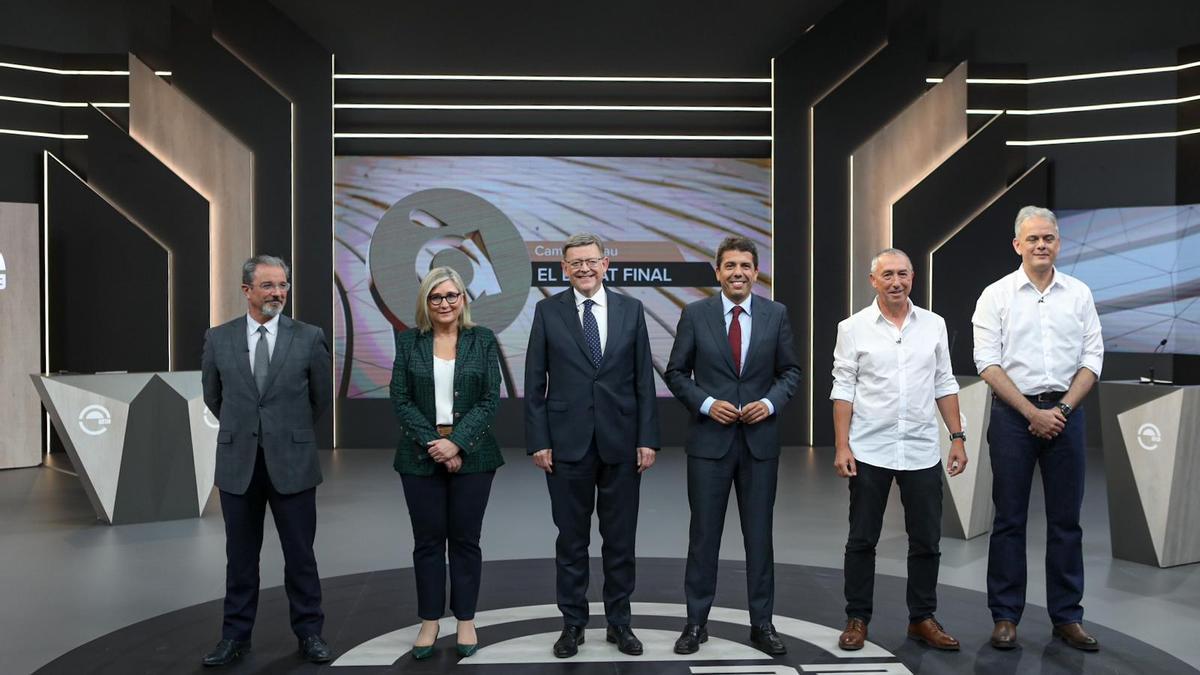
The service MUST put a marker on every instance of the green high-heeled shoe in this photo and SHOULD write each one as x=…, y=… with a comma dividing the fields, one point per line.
x=466, y=650
x=420, y=653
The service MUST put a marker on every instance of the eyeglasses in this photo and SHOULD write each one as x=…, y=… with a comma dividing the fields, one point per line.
x=451, y=298
x=271, y=288
x=592, y=263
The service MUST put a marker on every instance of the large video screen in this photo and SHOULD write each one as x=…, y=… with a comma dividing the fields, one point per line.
x=1143, y=266
x=500, y=221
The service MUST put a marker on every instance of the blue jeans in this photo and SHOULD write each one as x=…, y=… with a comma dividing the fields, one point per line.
x=1014, y=452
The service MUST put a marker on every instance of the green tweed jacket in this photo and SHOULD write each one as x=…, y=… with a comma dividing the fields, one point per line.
x=476, y=394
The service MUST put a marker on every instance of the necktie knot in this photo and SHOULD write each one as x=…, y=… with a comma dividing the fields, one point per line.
x=587, y=304
x=737, y=311
x=262, y=330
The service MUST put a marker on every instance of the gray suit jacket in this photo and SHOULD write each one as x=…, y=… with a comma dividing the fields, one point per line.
x=701, y=365
x=299, y=389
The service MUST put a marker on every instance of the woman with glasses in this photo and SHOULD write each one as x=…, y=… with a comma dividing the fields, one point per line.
x=445, y=387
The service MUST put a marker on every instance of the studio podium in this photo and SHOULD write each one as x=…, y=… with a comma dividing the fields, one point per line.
x=967, y=508
x=144, y=444
x=1151, y=435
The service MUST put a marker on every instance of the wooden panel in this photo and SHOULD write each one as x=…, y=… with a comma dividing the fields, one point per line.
x=214, y=162
x=894, y=160
x=20, y=336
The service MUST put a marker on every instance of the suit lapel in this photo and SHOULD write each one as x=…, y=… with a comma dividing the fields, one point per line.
x=240, y=343
x=758, y=327
x=283, y=343
x=465, y=339
x=570, y=316
x=715, y=314
x=617, y=314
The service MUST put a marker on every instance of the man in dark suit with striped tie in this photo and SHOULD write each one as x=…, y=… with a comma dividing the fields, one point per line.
x=592, y=426
x=733, y=365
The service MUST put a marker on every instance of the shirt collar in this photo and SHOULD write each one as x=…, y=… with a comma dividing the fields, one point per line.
x=1024, y=280
x=252, y=325
x=600, y=298
x=876, y=314
x=727, y=304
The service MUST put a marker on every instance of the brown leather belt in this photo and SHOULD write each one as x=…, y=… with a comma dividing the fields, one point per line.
x=444, y=430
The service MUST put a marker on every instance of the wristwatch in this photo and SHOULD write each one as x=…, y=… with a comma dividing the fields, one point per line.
x=1066, y=409
x=960, y=435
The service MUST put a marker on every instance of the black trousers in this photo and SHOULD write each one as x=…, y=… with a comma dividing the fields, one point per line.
x=709, y=482
x=296, y=521
x=921, y=495
x=612, y=490
x=447, y=508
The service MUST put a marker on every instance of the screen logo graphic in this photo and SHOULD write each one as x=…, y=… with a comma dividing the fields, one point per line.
x=451, y=228
x=3, y=274
x=1149, y=436
x=94, y=420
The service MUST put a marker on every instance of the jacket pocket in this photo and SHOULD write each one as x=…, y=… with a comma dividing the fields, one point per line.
x=224, y=436
x=303, y=436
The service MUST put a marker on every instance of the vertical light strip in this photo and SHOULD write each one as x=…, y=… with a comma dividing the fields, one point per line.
x=46, y=279
x=292, y=187
x=333, y=315
x=812, y=261
x=850, y=248
x=774, y=271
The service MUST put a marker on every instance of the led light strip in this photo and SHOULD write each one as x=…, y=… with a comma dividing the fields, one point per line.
x=62, y=104
x=1088, y=108
x=61, y=71
x=556, y=137
x=1074, y=78
x=1104, y=139
x=551, y=78
x=503, y=106
x=44, y=134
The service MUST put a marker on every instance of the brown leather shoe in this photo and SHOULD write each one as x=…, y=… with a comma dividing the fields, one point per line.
x=1073, y=634
x=929, y=631
x=854, y=636
x=1004, y=635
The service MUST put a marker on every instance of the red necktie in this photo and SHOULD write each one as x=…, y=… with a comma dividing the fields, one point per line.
x=735, y=339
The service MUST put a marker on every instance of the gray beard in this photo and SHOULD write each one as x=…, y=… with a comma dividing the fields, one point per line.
x=272, y=309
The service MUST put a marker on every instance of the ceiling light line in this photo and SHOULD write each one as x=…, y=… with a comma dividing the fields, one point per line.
x=65, y=71
x=1089, y=108
x=514, y=106
x=571, y=137
x=552, y=78
x=1074, y=78
x=63, y=104
x=44, y=134
x=1105, y=139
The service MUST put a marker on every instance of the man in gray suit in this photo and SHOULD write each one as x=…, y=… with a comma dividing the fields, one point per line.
x=267, y=378
x=734, y=367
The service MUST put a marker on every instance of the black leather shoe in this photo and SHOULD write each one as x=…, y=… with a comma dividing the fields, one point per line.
x=765, y=639
x=1074, y=635
x=626, y=641
x=689, y=641
x=568, y=643
x=226, y=652
x=314, y=649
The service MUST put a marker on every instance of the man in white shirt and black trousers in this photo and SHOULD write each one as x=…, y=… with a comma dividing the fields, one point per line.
x=1038, y=345
x=891, y=369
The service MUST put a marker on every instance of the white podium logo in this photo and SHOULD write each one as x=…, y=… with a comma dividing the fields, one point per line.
x=1149, y=437
x=3, y=274
x=210, y=420
x=94, y=420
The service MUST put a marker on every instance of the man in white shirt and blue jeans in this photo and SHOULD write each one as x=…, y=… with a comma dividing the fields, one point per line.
x=891, y=369
x=1038, y=345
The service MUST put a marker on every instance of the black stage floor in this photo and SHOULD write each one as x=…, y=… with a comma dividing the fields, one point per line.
x=367, y=616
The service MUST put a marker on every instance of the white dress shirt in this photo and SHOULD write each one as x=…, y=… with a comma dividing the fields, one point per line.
x=893, y=376
x=599, y=310
x=443, y=390
x=252, y=337
x=744, y=322
x=1040, y=339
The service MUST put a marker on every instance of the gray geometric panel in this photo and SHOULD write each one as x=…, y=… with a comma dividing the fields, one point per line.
x=158, y=478
x=1183, y=544
x=1151, y=434
x=968, y=511
x=135, y=451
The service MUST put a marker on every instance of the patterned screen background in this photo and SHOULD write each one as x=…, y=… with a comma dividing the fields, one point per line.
x=662, y=218
x=1143, y=266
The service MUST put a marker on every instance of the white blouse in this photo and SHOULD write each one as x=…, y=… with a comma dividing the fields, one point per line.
x=443, y=389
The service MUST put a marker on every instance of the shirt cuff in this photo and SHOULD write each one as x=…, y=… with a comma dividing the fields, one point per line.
x=708, y=402
x=841, y=393
x=770, y=406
